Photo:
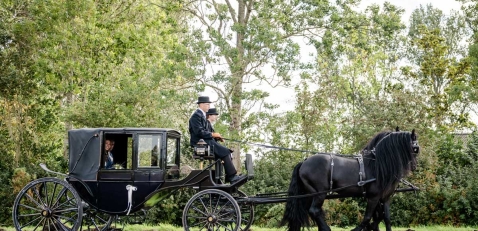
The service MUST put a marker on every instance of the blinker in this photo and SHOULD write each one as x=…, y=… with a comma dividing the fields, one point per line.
x=415, y=147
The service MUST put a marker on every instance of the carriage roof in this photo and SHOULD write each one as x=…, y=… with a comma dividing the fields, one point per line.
x=85, y=147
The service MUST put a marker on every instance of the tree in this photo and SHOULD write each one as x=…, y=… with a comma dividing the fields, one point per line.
x=470, y=9
x=239, y=40
x=355, y=90
x=441, y=71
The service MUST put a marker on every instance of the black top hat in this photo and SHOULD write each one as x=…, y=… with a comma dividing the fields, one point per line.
x=203, y=99
x=212, y=111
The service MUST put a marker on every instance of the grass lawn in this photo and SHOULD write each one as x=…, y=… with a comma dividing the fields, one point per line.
x=166, y=227
x=254, y=228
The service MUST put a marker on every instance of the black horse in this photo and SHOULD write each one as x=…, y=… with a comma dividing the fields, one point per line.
x=387, y=158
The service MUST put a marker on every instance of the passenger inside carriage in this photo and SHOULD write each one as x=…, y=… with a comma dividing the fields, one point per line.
x=108, y=155
x=117, y=151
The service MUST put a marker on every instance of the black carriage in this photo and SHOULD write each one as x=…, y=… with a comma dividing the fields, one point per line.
x=146, y=169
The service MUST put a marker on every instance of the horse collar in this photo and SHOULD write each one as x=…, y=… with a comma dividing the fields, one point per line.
x=368, y=152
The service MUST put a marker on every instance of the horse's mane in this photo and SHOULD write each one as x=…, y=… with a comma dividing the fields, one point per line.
x=393, y=155
x=367, y=150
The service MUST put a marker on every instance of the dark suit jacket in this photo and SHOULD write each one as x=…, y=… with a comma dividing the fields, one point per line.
x=209, y=126
x=200, y=128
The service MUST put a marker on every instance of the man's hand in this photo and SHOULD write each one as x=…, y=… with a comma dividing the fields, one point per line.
x=217, y=136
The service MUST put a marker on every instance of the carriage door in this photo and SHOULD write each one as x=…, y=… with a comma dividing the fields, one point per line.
x=112, y=182
x=148, y=175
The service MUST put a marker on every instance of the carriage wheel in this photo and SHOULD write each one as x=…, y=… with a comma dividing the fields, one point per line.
x=135, y=218
x=212, y=210
x=247, y=211
x=95, y=220
x=47, y=204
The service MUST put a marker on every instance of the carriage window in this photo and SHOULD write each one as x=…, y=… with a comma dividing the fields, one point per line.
x=119, y=154
x=172, y=151
x=149, y=147
x=129, y=154
x=171, y=155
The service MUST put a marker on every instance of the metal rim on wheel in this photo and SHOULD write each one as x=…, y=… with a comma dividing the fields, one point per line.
x=212, y=210
x=247, y=211
x=47, y=204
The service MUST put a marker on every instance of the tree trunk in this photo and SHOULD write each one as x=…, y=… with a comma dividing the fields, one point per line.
x=236, y=85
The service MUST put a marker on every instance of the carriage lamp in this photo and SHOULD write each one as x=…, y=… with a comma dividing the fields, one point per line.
x=201, y=148
x=415, y=147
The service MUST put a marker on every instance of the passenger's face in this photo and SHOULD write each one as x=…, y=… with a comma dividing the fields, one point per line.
x=212, y=118
x=109, y=145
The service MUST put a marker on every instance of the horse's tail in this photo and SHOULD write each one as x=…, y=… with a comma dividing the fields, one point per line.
x=296, y=210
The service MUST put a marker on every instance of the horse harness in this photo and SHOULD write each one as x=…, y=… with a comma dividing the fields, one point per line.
x=362, y=177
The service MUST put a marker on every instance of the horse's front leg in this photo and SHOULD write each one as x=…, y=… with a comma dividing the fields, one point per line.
x=371, y=206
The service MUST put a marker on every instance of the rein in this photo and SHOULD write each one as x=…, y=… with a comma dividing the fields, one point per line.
x=290, y=149
x=270, y=146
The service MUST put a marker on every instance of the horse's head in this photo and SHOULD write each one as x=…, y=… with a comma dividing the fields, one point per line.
x=415, y=146
x=415, y=149
x=395, y=156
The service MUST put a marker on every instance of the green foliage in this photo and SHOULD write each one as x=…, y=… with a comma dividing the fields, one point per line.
x=344, y=212
x=272, y=174
x=126, y=63
x=170, y=210
x=6, y=190
x=451, y=198
x=441, y=71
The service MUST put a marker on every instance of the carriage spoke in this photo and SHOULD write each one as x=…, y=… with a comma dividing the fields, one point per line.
x=60, y=194
x=66, y=218
x=27, y=224
x=29, y=215
x=53, y=223
x=197, y=210
x=33, y=200
x=100, y=219
x=197, y=217
x=66, y=210
x=94, y=224
x=29, y=207
x=224, y=206
x=43, y=219
x=204, y=206
x=37, y=193
x=53, y=195
x=216, y=206
x=62, y=226
x=225, y=227
x=198, y=223
x=64, y=203
x=45, y=191
x=225, y=214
